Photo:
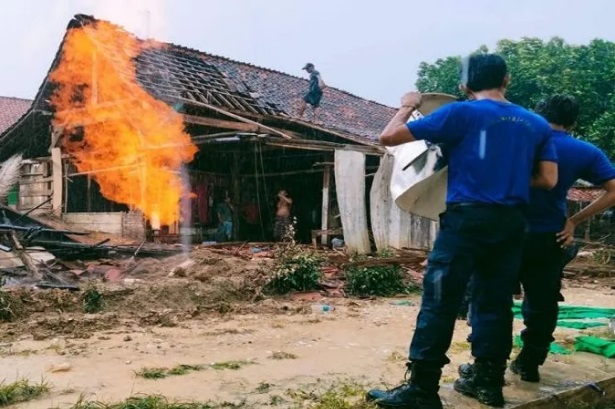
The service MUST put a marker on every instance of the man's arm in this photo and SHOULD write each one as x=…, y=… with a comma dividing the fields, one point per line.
x=545, y=176
x=546, y=172
x=607, y=200
x=396, y=132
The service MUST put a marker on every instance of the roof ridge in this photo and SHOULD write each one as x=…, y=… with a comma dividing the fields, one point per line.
x=83, y=18
x=17, y=98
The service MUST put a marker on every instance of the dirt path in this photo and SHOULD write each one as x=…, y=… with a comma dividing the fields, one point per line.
x=359, y=343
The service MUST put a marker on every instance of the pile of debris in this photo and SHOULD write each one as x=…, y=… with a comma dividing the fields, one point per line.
x=33, y=252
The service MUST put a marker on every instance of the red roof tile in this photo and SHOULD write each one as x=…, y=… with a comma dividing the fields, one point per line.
x=175, y=74
x=11, y=109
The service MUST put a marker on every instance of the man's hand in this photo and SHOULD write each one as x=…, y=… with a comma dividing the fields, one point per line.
x=411, y=99
x=566, y=236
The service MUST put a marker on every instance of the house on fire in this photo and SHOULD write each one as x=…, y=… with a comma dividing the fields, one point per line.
x=251, y=144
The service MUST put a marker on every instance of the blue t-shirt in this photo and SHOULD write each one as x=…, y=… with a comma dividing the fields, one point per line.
x=492, y=148
x=577, y=160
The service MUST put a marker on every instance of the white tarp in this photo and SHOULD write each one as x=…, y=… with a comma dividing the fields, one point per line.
x=419, y=179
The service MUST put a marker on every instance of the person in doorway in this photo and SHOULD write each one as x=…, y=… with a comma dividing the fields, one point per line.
x=543, y=257
x=496, y=149
x=251, y=217
x=314, y=94
x=225, y=211
x=283, y=217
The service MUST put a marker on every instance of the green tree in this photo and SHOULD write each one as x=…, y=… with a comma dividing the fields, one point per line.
x=540, y=68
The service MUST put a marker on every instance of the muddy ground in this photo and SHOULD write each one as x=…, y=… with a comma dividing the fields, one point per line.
x=250, y=350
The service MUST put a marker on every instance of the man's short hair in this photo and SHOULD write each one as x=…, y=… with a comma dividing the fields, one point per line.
x=481, y=72
x=559, y=109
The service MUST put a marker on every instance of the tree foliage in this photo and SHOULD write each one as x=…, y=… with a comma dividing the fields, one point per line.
x=540, y=68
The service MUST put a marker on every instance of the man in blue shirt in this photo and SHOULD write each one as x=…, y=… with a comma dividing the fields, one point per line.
x=495, y=151
x=543, y=256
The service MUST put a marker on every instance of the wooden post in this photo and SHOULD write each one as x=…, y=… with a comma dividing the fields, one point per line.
x=326, y=182
x=236, y=192
x=24, y=256
x=56, y=173
x=89, y=194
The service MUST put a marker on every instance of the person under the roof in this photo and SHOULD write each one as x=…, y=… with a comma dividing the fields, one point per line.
x=496, y=150
x=315, y=90
x=550, y=230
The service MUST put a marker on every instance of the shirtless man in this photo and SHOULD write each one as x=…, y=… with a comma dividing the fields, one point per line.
x=283, y=218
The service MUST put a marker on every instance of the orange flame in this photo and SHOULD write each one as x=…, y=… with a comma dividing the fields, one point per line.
x=132, y=144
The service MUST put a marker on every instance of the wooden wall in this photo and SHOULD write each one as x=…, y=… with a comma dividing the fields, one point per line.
x=392, y=227
x=350, y=188
x=35, y=185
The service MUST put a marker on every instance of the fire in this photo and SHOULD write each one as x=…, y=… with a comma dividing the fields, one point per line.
x=132, y=144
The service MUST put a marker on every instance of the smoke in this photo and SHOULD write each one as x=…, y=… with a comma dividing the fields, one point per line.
x=145, y=18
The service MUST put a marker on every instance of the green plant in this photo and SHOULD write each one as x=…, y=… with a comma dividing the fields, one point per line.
x=230, y=365
x=386, y=253
x=161, y=373
x=92, y=300
x=383, y=281
x=21, y=391
x=295, y=271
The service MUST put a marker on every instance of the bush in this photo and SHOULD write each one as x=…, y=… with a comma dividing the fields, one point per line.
x=295, y=272
x=382, y=281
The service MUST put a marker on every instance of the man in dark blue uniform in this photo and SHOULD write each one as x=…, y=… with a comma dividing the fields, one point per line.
x=495, y=150
x=543, y=257
x=314, y=94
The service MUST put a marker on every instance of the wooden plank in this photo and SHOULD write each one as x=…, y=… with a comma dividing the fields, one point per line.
x=324, y=225
x=56, y=173
x=222, y=123
x=350, y=186
x=265, y=128
x=584, y=397
x=380, y=203
x=391, y=226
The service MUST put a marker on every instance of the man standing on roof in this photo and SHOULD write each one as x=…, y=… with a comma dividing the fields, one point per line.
x=496, y=150
x=543, y=257
x=314, y=94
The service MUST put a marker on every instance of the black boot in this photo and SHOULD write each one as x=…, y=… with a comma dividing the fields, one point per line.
x=526, y=365
x=421, y=392
x=465, y=370
x=484, y=384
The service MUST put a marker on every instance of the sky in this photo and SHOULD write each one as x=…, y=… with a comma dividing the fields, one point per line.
x=369, y=48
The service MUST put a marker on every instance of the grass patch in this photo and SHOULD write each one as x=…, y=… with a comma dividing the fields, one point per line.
x=396, y=357
x=281, y=355
x=458, y=347
x=21, y=391
x=345, y=395
x=263, y=387
x=154, y=402
x=230, y=365
x=6, y=307
x=161, y=373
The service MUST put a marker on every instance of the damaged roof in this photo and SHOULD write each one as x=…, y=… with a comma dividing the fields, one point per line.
x=180, y=75
x=11, y=109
